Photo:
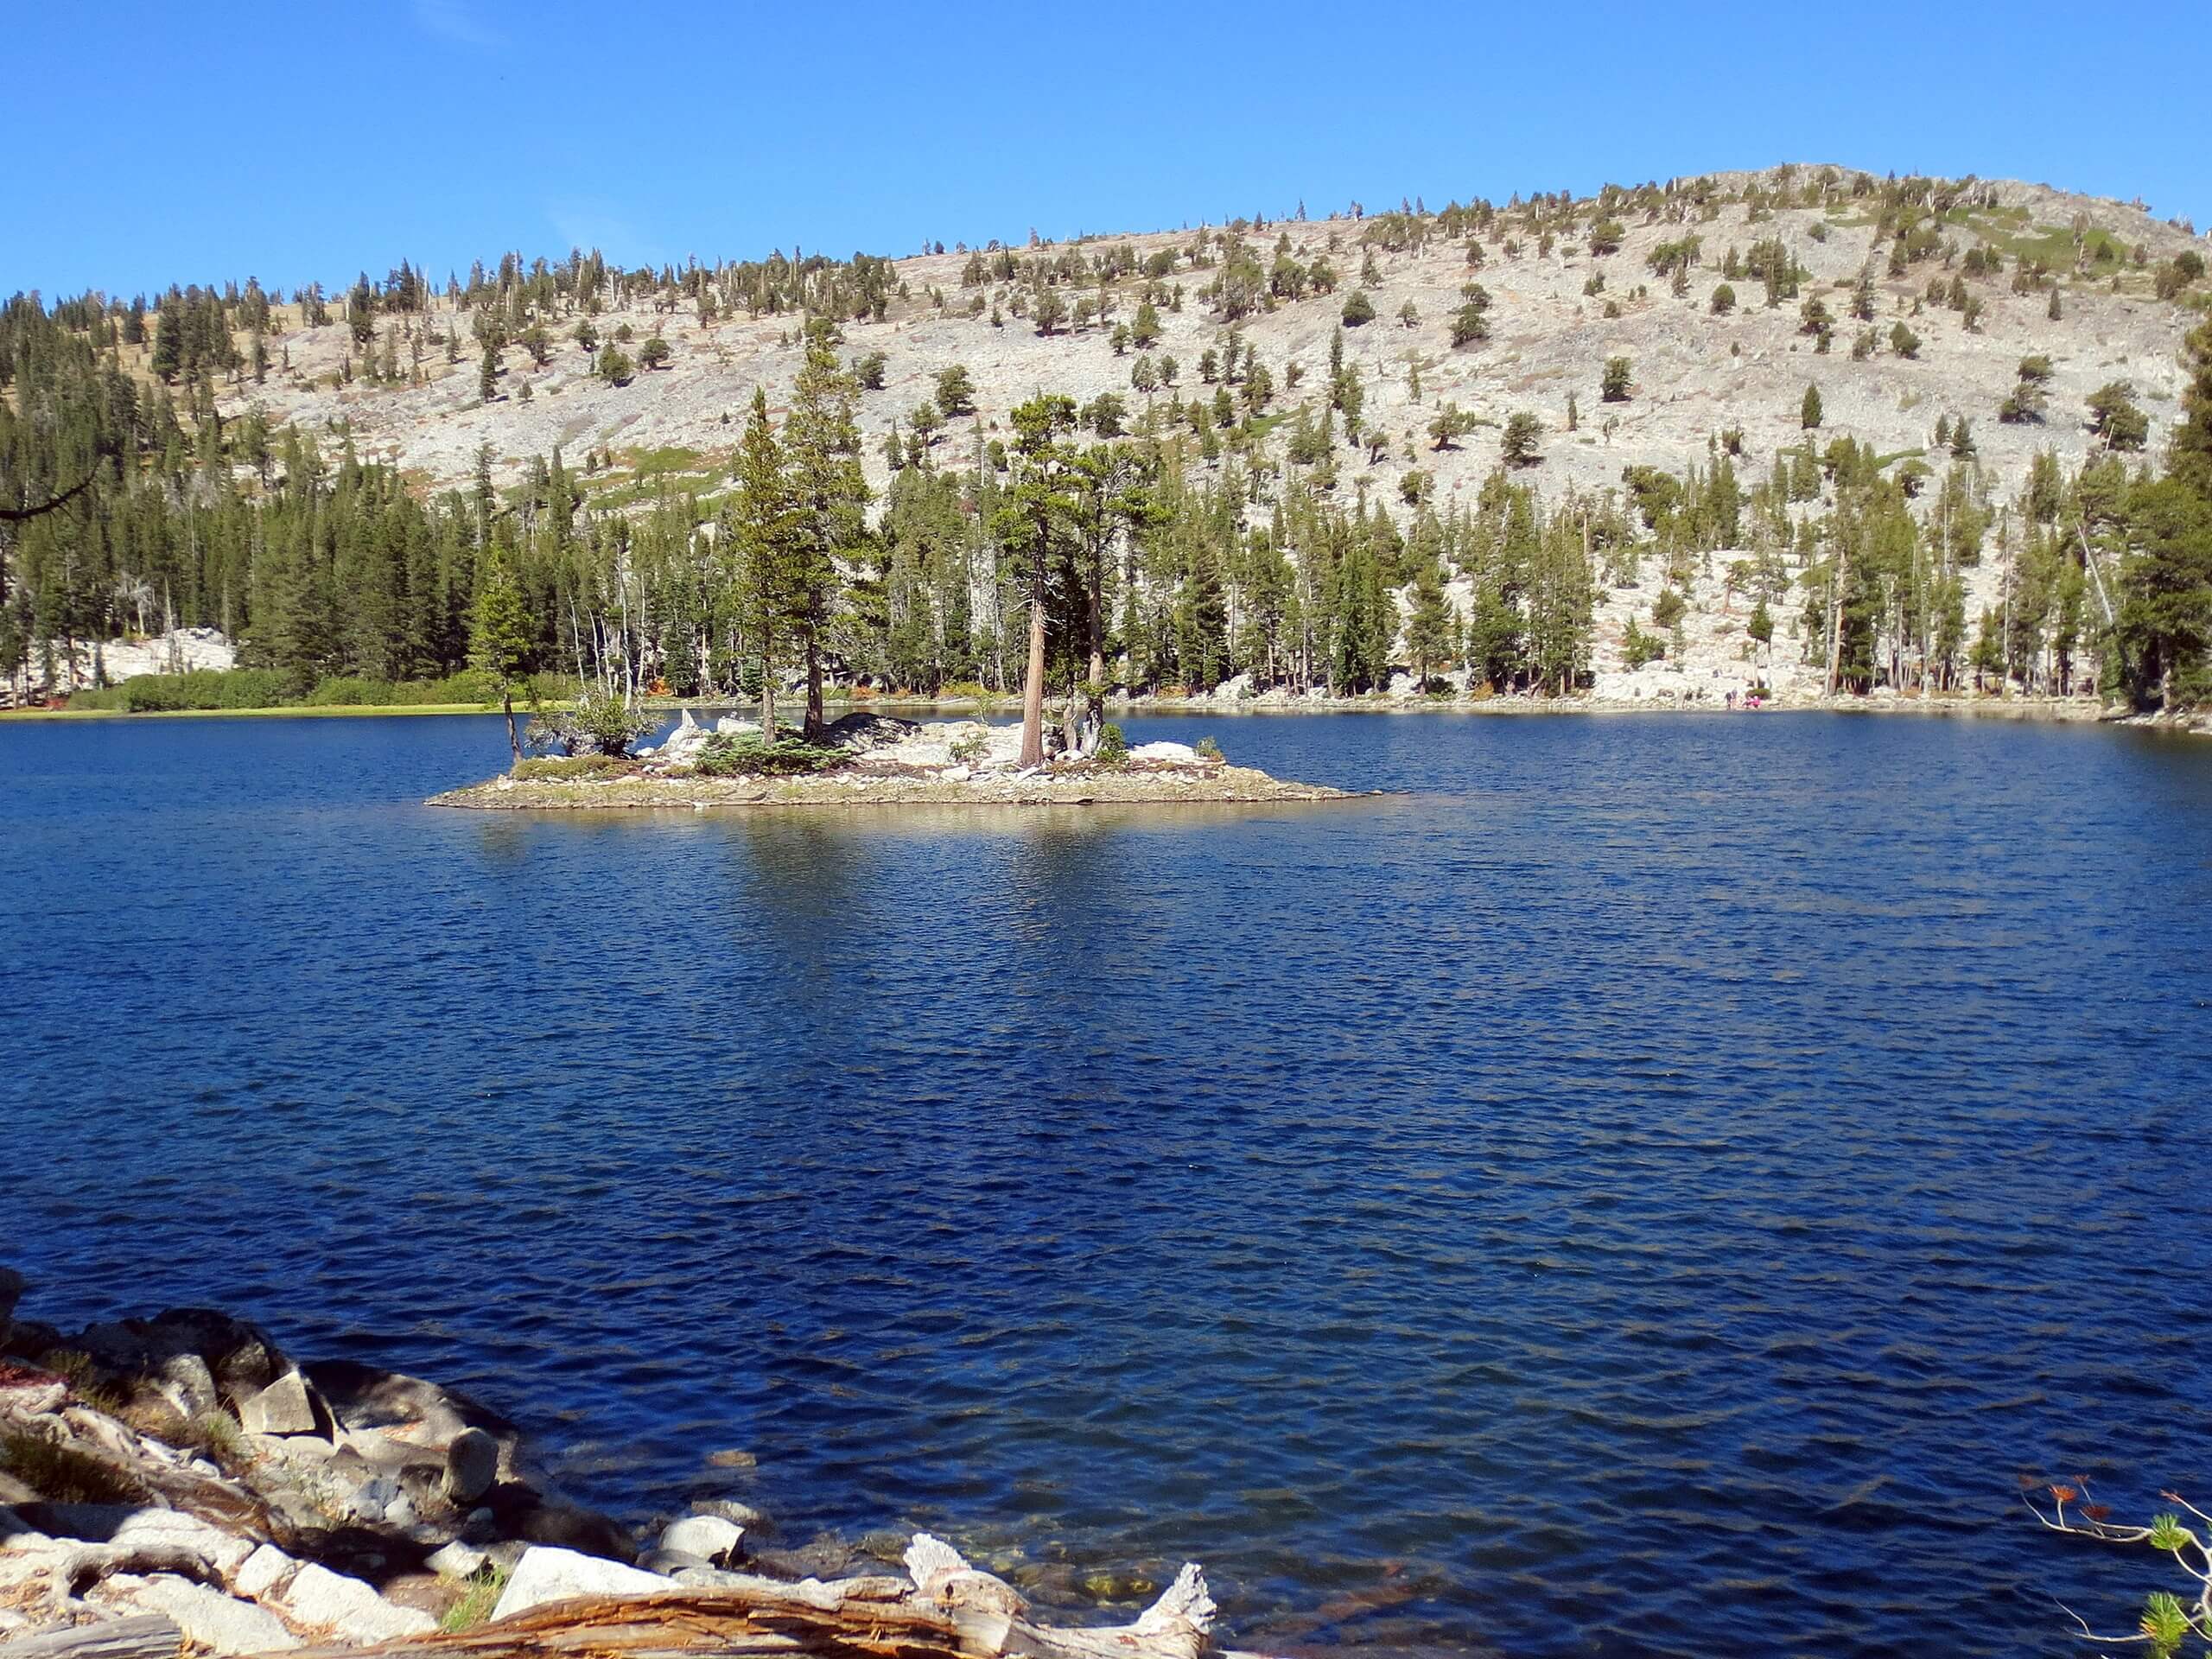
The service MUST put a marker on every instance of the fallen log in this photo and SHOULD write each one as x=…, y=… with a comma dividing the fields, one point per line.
x=146, y=1636
x=950, y=1610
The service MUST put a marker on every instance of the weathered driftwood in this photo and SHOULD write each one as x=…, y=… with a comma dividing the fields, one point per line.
x=145, y=1636
x=948, y=1611
x=87, y=1565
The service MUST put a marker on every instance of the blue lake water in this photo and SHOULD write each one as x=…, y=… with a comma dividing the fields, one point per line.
x=1657, y=1185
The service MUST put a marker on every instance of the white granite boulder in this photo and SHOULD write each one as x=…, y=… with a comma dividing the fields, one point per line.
x=547, y=1573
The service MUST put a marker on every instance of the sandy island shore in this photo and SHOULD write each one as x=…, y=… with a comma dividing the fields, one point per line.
x=1217, y=784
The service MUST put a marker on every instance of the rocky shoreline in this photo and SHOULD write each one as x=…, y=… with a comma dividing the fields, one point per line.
x=178, y=1484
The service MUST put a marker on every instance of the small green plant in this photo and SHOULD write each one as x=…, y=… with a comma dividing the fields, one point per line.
x=1113, y=747
x=217, y=1433
x=84, y=1378
x=477, y=1601
x=970, y=747
x=1208, y=749
x=2167, y=1621
x=747, y=754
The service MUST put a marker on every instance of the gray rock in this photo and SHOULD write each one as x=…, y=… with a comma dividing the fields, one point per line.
x=283, y=1407
x=863, y=731
x=238, y=1355
x=704, y=1577
x=547, y=1573
x=713, y=1539
x=472, y=1466
x=742, y=1514
x=183, y=1384
x=825, y=1557
x=731, y=726
x=211, y=1618
x=673, y=1563
x=350, y=1609
x=372, y=1499
x=223, y=1552
x=1174, y=753
x=682, y=746
x=365, y=1397
x=455, y=1560
x=264, y=1573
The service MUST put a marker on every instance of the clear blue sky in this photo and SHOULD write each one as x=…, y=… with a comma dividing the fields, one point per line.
x=154, y=142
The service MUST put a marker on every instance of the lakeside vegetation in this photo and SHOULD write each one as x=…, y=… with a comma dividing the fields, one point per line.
x=1220, y=529
x=238, y=690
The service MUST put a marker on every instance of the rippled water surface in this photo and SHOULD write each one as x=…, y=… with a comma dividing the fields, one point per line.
x=1657, y=1185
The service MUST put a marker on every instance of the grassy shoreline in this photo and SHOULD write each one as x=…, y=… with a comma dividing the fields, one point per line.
x=303, y=711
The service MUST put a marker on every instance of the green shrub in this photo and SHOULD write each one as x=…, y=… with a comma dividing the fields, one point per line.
x=747, y=754
x=108, y=699
x=1112, y=749
x=62, y=1474
x=1638, y=647
x=596, y=724
x=205, y=689
x=1208, y=749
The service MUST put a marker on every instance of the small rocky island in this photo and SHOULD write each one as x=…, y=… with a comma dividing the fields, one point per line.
x=178, y=1485
x=875, y=759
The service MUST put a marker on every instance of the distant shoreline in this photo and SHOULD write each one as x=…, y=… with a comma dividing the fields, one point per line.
x=2054, y=710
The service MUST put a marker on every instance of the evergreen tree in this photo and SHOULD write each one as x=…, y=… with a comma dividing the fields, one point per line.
x=1429, y=629
x=769, y=596
x=829, y=498
x=499, y=633
x=1523, y=439
x=1032, y=524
